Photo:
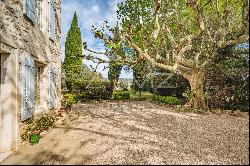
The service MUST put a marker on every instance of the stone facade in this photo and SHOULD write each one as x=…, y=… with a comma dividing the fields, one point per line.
x=22, y=38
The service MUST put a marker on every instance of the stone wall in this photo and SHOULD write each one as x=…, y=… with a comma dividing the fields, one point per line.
x=18, y=31
x=20, y=38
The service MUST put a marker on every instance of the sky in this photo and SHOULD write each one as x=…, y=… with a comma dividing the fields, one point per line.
x=89, y=12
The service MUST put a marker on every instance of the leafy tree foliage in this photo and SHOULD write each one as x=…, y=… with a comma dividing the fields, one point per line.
x=227, y=81
x=139, y=76
x=183, y=36
x=114, y=72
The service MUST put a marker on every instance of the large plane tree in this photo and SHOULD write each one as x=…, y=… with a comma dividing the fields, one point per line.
x=181, y=36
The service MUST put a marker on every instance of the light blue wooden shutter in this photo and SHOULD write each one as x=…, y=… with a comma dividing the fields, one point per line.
x=52, y=19
x=52, y=88
x=33, y=10
x=32, y=85
x=28, y=86
x=30, y=9
x=27, y=7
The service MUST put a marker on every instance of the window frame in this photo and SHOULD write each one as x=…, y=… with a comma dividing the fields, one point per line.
x=49, y=20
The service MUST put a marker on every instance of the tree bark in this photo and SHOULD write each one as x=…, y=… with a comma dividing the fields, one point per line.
x=196, y=80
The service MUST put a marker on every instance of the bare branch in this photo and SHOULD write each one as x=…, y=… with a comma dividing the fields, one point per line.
x=200, y=20
x=245, y=15
x=169, y=35
x=183, y=50
x=196, y=59
x=144, y=55
x=117, y=61
x=157, y=25
x=103, y=53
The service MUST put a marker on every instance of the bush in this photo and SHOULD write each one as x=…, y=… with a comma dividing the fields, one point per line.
x=167, y=100
x=34, y=139
x=95, y=90
x=44, y=123
x=69, y=99
x=171, y=91
x=227, y=81
x=228, y=91
x=121, y=95
x=34, y=128
x=123, y=86
x=144, y=95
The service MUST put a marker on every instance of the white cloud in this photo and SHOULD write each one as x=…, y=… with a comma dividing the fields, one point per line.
x=95, y=9
x=89, y=13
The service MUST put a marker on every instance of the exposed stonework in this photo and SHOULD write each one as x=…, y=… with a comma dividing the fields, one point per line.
x=20, y=38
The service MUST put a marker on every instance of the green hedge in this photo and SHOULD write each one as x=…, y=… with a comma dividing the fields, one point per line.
x=94, y=91
x=167, y=99
x=121, y=95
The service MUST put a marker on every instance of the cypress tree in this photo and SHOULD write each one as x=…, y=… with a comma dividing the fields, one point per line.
x=73, y=53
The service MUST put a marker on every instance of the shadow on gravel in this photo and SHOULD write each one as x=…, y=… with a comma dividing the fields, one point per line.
x=141, y=133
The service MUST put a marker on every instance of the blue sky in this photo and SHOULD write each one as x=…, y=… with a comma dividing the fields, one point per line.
x=89, y=12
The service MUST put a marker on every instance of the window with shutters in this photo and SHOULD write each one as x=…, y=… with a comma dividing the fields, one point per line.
x=52, y=19
x=30, y=10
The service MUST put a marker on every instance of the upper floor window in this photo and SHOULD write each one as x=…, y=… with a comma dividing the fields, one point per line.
x=42, y=14
x=52, y=19
x=30, y=9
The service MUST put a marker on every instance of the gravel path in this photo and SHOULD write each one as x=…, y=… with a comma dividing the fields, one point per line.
x=140, y=132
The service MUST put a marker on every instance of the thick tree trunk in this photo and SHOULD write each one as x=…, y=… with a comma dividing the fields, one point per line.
x=196, y=80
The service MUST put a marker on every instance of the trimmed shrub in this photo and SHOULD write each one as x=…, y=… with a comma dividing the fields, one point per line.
x=121, y=95
x=94, y=91
x=69, y=99
x=170, y=100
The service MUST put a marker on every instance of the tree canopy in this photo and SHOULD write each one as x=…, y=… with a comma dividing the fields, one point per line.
x=181, y=36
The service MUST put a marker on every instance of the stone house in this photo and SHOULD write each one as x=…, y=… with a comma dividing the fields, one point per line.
x=30, y=63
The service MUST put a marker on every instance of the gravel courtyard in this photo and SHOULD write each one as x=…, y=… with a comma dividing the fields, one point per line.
x=140, y=132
